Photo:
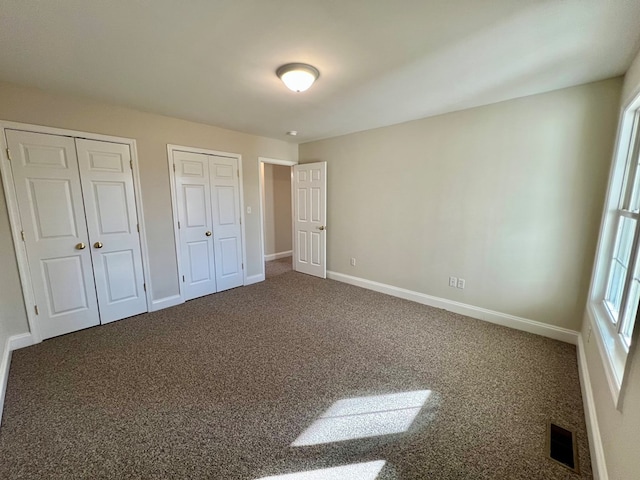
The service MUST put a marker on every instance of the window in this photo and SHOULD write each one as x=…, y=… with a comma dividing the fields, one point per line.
x=615, y=289
x=622, y=292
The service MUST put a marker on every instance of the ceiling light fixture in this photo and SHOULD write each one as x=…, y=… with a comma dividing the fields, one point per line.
x=292, y=133
x=298, y=76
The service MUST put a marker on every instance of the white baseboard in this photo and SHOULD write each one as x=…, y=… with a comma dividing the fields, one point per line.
x=254, y=279
x=165, y=302
x=20, y=341
x=12, y=343
x=499, y=318
x=276, y=256
x=598, y=464
x=5, y=363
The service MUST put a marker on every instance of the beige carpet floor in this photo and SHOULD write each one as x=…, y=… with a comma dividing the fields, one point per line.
x=222, y=387
x=277, y=267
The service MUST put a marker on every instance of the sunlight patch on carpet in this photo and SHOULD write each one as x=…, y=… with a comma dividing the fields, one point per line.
x=362, y=417
x=357, y=471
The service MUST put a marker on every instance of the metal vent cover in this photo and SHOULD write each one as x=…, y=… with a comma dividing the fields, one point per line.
x=562, y=446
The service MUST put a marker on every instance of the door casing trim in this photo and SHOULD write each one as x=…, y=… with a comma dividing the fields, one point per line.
x=16, y=223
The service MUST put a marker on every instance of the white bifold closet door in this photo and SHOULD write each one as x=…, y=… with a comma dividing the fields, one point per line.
x=77, y=210
x=208, y=205
x=112, y=222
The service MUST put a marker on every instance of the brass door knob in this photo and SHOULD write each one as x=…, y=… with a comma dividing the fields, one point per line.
x=98, y=245
x=81, y=246
x=208, y=234
x=321, y=227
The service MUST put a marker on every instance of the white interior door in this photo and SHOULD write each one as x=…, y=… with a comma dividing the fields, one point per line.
x=47, y=182
x=227, y=229
x=309, y=218
x=107, y=185
x=193, y=196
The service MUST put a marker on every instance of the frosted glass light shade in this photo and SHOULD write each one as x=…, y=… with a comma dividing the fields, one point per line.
x=298, y=76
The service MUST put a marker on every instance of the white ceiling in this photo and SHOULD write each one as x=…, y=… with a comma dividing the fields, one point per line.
x=381, y=61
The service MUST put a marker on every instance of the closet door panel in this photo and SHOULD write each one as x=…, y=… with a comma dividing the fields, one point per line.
x=107, y=185
x=193, y=197
x=227, y=230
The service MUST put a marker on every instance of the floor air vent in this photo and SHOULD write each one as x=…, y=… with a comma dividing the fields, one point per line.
x=562, y=446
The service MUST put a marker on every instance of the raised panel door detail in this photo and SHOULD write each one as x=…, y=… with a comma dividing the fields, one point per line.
x=52, y=208
x=302, y=175
x=229, y=248
x=316, y=256
x=198, y=254
x=195, y=206
x=315, y=174
x=47, y=156
x=315, y=204
x=226, y=205
x=106, y=162
x=66, y=289
x=303, y=254
x=223, y=171
x=121, y=275
x=192, y=169
x=302, y=210
x=111, y=201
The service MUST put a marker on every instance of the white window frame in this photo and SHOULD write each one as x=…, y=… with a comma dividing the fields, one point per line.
x=613, y=349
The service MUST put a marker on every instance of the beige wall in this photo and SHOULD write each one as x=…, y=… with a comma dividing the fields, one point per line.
x=619, y=430
x=153, y=133
x=507, y=196
x=631, y=86
x=277, y=209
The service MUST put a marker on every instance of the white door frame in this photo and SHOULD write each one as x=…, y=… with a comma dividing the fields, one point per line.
x=174, y=206
x=273, y=161
x=16, y=223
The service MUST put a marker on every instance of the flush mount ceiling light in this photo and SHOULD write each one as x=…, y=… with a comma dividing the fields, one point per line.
x=298, y=76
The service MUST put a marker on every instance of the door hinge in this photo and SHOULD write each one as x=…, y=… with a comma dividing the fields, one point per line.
x=9, y=154
x=138, y=227
x=243, y=266
x=174, y=167
x=182, y=278
x=178, y=224
x=22, y=234
x=238, y=172
x=131, y=164
x=144, y=285
x=36, y=308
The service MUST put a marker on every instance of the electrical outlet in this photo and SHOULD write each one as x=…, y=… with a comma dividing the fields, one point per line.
x=248, y=209
x=453, y=281
x=353, y=262
x=461, y=283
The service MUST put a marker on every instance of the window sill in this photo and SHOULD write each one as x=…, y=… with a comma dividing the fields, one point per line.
x=612, y=350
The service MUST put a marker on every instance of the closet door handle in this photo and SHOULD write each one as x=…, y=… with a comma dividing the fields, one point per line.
x=98, y=245
x=81, y=246
x=208, y=234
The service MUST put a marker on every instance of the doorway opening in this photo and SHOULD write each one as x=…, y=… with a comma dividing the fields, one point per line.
x=276, y=212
